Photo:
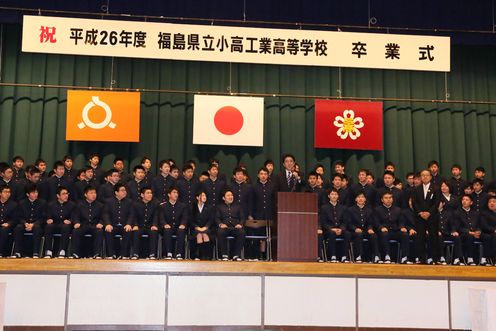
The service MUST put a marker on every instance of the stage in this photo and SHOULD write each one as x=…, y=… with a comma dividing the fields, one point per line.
x=91, y=294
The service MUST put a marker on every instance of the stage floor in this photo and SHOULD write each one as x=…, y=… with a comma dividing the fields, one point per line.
x=55, y=266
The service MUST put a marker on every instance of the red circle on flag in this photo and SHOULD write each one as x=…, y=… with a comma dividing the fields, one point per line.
x=228, y=120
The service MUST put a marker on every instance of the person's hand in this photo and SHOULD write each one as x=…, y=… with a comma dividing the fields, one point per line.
x=182, y=226
x=222, y=226
x=370, y=231
x=135, y=228
x=128, y=228
x=50, y=221
x=319, y=231
x=99, y=226
x=5, y=225
x=109, y=228
x=167, y=226
x=455, y=234
x=384, y=230
x=412, y=232
x=67, y=222
x=238, y=226
x=358, y=230
x=77, y=226
x=403, y=230
x=154, y=228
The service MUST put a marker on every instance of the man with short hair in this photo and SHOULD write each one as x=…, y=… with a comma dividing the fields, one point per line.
x=466, y=225
x=119, y=166
x=135, y=185
x=8, y=216
x=479, y=197
x=289, y=179
x=333, y=225
x=41, y=165
x=31, y=176
x=174, y=220
x=389, y=226
x=425, y=200
x=106, y=190
x=187, y=185
x=213, y=186
x=58, y=179
x=146, y=211
x=146, y=163
x=98, y=172
x=364, y=187
x=60, y=216
x=69, y=172
x=456, y=182
x=32, y=218
x=89, y=219
x=118, y=217
x=163, y=182
x=436, y=178
x=6, y=175
x=84, y=179
x=388, y=186
x=230, y=221
x=17, y=164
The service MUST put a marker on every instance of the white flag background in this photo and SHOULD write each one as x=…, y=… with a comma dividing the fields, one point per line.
x=226, y=120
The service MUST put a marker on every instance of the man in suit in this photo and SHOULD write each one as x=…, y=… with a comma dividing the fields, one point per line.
x=425, y=199
x=288, y=180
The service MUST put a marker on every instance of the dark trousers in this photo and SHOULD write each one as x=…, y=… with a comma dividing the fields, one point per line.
x=457, y=245
x=401, y=237
x=489, y=242
x=331, y=242
x=358, y=242
x=168, y=244
x=152, y=240
x=468, y=244
x=239, y=240
x=432, y=226
x=110, y=239
x=63, y=229
x=97, y=234
x=4, y=235
x=19, y=230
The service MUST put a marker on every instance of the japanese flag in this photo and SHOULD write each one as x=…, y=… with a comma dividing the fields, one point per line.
x=222, y=120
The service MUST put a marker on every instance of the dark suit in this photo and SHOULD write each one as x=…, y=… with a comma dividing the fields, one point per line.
x=362, y=218
x=465, y=221
x=333, y=217
x=146, y=216
x=430, y=204
x=88, y=216
x=32, y=212
x=59, y=212
x=160, y=187
x=282, y=184
x=118, y=213
x=390, y=219
x=230, y=215
x=174, y=215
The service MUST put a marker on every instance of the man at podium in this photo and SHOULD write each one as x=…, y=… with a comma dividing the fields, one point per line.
x=288, y=180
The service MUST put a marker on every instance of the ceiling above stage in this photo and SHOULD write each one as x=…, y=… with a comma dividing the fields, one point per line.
x=457, y=15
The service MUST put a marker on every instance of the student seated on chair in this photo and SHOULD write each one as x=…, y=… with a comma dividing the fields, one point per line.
x=488, y=227
x=60, y=216
x=8, y=216
x=230, y=222
x=146, y=211
x=360, y=223
x=89, y=219
x=174, y=220
x=466, y=223
x=332, y=222
x=118, y=216
x=449, y=203
x=389, y=226
x=32, y=218
x=201, y=225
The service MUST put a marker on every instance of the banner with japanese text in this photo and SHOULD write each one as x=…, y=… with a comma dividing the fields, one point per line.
x=98, y=37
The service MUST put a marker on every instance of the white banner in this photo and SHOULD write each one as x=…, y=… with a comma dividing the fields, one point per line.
x=57, y=35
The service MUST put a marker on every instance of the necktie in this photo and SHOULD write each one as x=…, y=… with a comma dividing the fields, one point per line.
x=289, y=179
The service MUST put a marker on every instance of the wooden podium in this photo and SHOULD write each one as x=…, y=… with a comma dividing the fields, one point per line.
x=297, y=223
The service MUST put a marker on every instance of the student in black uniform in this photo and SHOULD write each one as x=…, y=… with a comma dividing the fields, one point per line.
x=146, y=163
x=388, y=180
x=119, y=166
x=488, y=227
x=390, y=227
x=213, y=186
x=230, y=221
x=479, y=197
x=364, y=187
x=188, y=185
x=202, y=226
x=51, y=184
x=32, y=218
x=243, y=192
x=269, y=165
x=89, y=219
x=98, y=173
x=147, y=215
x=433, y=167
x=118, y=216
x=360, y=223
x=84, y=179
x=31, y=176
x=311, y=187
x=174, y=221
x=162, y=182
x=69, y=172
x=262, y=209
x=17, y=164
x=135, y=185
x=449, y=203
x=333, y=224
x=60, y=217
x=106, y=190
x=456, y=182
x=8, y=216
x=41, y=165
x=6, y=179
x=466, y=224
